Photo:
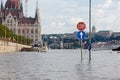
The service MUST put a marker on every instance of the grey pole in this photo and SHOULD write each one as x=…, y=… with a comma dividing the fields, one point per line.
x=81, y=50
x=90, y=29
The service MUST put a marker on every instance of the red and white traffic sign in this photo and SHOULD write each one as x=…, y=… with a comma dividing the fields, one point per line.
x=81, y=26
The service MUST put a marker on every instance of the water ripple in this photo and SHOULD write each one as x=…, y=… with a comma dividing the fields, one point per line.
x=60, y=65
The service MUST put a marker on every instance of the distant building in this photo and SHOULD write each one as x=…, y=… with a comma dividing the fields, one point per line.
x=116, y=34
x=61, y=44
x=71, y=35
x=12, y=16
x=104, y=33
x=93, y=31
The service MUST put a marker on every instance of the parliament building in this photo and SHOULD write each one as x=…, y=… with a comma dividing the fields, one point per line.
x=12, y=16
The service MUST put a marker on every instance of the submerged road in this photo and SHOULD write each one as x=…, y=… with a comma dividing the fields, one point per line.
x=60, y=65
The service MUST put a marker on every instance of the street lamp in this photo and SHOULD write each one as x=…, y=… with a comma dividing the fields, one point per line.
x=5, y=41
x=89, y=30
x=3, y=19
x=16, y=33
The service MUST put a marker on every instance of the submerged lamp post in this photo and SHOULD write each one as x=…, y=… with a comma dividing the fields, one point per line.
x=89, y=46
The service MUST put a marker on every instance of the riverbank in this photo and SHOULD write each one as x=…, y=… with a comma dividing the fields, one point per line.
x=6, y=46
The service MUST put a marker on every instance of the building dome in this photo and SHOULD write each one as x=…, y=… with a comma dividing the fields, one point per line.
x=93, y=29
x=14, y=4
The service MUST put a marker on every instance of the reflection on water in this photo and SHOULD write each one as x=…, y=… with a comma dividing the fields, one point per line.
x=60, y=65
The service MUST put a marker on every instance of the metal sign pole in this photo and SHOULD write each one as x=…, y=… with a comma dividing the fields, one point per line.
x=81, y=35
x=90, y=29
x=81, y=50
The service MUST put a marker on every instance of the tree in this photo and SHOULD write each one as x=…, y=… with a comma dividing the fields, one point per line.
x=5, y=32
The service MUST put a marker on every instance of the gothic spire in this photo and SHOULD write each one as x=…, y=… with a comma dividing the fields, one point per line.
x=1, y=5
x=37, y=17
x=21, y=7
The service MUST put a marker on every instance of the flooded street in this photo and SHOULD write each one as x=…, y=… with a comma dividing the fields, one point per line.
x=60, y=65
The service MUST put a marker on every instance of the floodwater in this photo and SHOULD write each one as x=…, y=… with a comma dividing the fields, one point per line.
x=60, y=65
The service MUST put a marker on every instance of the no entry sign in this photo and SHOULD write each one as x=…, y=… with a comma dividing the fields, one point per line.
x=81, y=26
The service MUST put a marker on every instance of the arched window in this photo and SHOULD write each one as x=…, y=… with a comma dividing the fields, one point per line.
x=11, y=20
x=14, y=30
x=36, y=31
x=11, y=29
x=19, y=31
x=9, y=16
x=28, y=31
x=23, y=31
x=32, y=31
x=36, y=39
x=32, y=40
x=8, y=21
x=27, y=36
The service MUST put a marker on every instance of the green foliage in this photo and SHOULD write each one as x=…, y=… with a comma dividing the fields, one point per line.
x=4, y=31
x=22, y=40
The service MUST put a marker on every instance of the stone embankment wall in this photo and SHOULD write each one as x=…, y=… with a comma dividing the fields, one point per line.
x=6, y=47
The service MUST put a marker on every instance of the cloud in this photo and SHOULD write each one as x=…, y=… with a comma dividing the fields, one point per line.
x=62, y=24
x=61, y=16
x=107, y=20
x=107, y=15
x=57, y=24
x=102, y=8
x=98, y=12
x=106, y=4
x=119, y=3
x=75, y=20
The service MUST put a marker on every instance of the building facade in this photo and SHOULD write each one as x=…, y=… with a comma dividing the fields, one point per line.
x=12, y=16
x=104, y=33
x=116, y=34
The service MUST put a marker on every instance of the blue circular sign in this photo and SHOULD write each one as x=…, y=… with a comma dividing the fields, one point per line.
x=81, y=35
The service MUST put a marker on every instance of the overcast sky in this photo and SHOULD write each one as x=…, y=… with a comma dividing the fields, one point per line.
x=61, y=16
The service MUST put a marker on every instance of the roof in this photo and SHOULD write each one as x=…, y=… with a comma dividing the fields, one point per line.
x=13, y=12
x=12, y=4
x=26, y=20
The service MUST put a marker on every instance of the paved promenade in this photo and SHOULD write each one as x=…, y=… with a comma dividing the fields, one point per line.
x=6, y=46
